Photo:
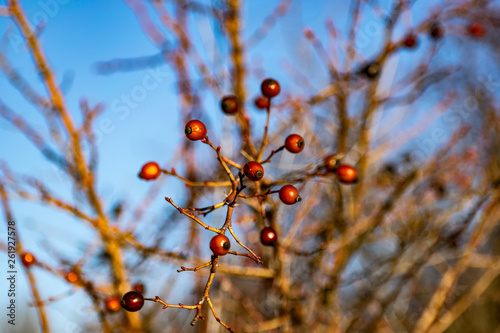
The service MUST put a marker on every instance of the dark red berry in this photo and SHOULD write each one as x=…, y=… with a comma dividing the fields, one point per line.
x=150, y=171
x=229, y=104
x=289, y=195
x=28, y=259
x=268, y=236
x=132, y=301
x=195, y=130
x=113, y=304
x=294, y=143
x=261, y=102
x=436, y=31
x=220, y=245
x=253, y=170
x=476, y=29
x=270, y=88
x=347, y=174
x=410, y=41
x=371, y=70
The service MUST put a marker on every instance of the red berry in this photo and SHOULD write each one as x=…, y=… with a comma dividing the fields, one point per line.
x=268, y=236
x=139, y=287
x=270, y=88
x=410, y=41
x=261, y=102
x=150, y=171
x=229, y=104
x=28, y=259
x=436, y=31
x=331, y=163
x=113, y=304
x=347, y=174
x=72, y=277
x=195, y=130
x=476, y=29
x=220, y=245
x=132, y=301
x=294, y=143
x=289, y=195
x=253, y=170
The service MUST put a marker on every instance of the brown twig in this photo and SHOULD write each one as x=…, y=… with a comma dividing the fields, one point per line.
x=192, y=217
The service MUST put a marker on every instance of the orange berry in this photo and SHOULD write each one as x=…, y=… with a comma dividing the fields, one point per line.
x=150, y=171
x=195, y=130
x=113, y=304
x=220, y=245
x=347, y=174
x=28, y=259
x=294, y=143
x=71, y=277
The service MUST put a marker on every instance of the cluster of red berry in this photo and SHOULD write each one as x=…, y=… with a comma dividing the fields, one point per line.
x=196, y=130
x=220, y=245
x=436, y=32
x=131, y=301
